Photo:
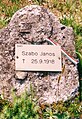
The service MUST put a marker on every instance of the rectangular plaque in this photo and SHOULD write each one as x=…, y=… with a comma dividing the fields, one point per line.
x=37, y=57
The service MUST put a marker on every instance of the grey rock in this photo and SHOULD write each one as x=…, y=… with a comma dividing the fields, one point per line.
x=32, y=25
x=21, y=75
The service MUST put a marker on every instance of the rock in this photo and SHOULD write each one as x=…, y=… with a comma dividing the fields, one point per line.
x=20, y=75
x=32, y=25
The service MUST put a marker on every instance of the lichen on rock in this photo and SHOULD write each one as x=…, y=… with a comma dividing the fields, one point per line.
x=32, y=25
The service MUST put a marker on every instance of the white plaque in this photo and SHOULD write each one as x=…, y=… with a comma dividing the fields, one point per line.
x=37, y=57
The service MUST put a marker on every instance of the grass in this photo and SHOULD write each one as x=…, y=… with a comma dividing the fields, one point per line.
x=27, y=107
x=70, y=14
x=24, y=107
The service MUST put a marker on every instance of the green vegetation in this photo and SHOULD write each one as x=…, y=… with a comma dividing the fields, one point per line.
x=70, y=13
x=23, y=107
x=26, y=107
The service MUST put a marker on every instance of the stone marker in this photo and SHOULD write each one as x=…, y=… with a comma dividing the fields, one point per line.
x=32, y=25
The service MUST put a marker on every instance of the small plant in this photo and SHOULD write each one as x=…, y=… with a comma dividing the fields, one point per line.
x=70, y=109
x=3, y=102
x=68, y=21
x=15, y=1
x=39, y=2
x=80, y=63
x=6, y=12
x=3, y=22
x=80, y=74
x=24, y=107
x=49, y=114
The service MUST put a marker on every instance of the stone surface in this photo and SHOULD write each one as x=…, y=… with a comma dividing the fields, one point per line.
x=31, y=25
